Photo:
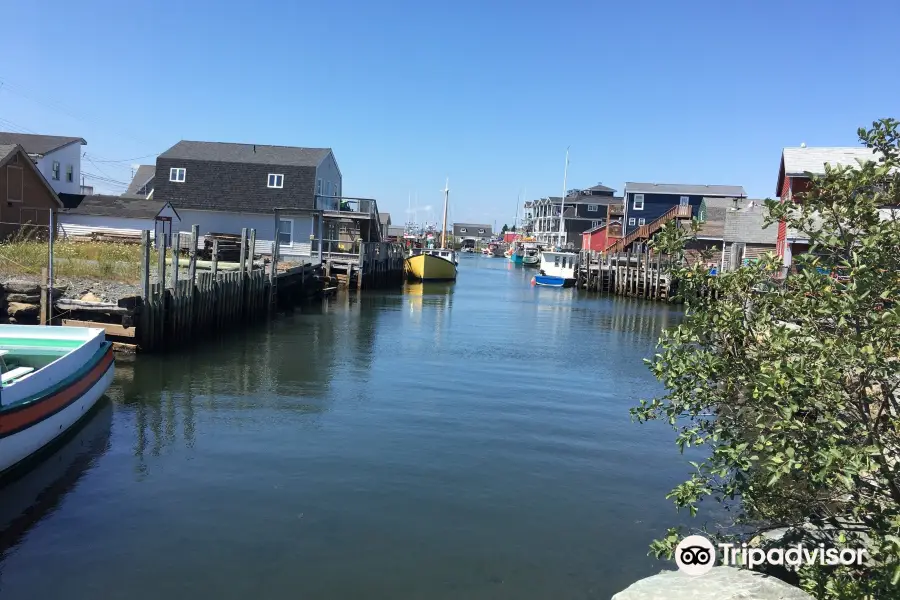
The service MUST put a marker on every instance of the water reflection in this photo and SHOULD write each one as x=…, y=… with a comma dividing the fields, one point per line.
x=33, y=495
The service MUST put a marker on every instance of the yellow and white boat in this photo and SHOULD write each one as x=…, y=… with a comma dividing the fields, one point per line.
x=434, y=264
x=426, y=264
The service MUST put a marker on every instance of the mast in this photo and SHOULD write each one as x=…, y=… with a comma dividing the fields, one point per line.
x=444, y=226
x=516, y=221
x=562, y=207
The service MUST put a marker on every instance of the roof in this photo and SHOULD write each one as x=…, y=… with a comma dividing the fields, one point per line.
x=600, y=200
x=746, y=225
x=396, y=231
x=247, y=153
x=727, y=191
x=70, y=200
x=385, y=218
x=38, y=144
x=800, y=161
x=600, y=188
x=118, y=206
x=7, y=151
x=594, y=229
x=472, y=229
x=143, y=174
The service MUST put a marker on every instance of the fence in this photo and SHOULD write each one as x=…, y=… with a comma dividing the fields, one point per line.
x=640, y=274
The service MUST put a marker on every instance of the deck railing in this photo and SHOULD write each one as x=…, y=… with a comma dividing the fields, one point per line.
x=645, y=231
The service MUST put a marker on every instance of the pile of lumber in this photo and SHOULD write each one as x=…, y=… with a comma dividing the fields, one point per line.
x=117, y=237
x=229, y=246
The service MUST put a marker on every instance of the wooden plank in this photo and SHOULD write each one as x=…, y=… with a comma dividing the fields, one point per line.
x=45, y=301
x=145, y=266
x=111, y=328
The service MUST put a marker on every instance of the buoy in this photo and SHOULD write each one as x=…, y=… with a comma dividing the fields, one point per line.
x=533, y=281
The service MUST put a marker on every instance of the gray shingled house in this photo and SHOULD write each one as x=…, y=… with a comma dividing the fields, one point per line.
x=746, y=237
x=224, y=187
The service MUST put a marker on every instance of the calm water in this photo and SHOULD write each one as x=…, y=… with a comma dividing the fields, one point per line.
x=466, y=440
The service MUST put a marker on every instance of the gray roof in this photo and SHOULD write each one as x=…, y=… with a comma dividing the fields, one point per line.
x=38, y=144
x=601, y=200
x=396, y=231
x=247, y=153
x=472, y=230
x=600, y=188
x=798, y=161
x=6, y=150
x=728, y=191
x=118, y=206
x=143, y=174
x=385, y=218
x=746, y=224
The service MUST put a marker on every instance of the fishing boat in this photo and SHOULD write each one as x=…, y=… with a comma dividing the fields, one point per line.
x=532, y=256
x=495, y=250
x=557, y=269
x=516, y=253
x=50, y=377
x=434, y=264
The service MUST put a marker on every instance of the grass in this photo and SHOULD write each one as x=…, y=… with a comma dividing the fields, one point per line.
x=75, y=260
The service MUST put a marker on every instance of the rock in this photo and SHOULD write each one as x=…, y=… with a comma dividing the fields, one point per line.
x=21, y=287
x=26, y=298
x=90, y=297
x=20, y=310
x=722, y=583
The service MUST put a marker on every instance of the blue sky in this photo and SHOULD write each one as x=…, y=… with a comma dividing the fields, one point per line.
x=487, y=93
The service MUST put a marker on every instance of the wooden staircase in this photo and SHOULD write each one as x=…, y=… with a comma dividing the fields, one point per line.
x=645, y=231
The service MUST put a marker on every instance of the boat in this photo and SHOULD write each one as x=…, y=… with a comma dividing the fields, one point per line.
x=532, y=256
x=557, y=269
x=516, y=253
x=434, y=264
x=495, y=250
x=50, y=377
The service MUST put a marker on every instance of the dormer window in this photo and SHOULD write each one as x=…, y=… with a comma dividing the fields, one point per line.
x=276, y=180
x=462, y=229
x=481, y=231
x=177, y=174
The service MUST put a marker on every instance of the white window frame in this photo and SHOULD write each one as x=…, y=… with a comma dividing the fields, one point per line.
x=318, y=187
x=481, y=231
x=177, y=174
x=55, y=170
x=595, y=224
x=290, y=233
x=641, y=221
x=631, y=222
x=462, y=230
x=70, y=173
x=275, y=180
x=638, y=199
x=592, y=208
x=684, y=201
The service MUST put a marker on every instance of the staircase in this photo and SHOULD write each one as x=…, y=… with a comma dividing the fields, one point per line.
x=645, y=231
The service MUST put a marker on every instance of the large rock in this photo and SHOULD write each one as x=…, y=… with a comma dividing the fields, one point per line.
x=21, y=287
x=722, y=583
x=20, y=310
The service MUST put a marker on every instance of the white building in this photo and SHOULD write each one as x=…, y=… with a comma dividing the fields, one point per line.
x=58, y=158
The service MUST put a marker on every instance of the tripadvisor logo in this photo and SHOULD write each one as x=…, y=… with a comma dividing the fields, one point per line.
x=696, y=555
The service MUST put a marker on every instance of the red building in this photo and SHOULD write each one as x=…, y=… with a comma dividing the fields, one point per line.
x=595, y=239
x=510, y=236
x=793, y=179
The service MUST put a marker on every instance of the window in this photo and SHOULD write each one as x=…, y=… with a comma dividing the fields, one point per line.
x=631, y=221
x=70, y=173
x=638, y=202
x=285, y=231
x=595, y=223
x=462, y=229
x=177, y=175
x=276, y=180
x=684, y=200
x=642, y=221
x=556, y=260
x=318, y=187
x=592, y=208
x=55, y=170
x=481, y=231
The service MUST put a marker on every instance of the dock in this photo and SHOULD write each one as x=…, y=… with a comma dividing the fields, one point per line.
x=637, y=274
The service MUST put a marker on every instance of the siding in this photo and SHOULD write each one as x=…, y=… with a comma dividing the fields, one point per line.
x=328, y=172
x=655, y=206
x=83, y=225
x=70, y=155
x=225, y=222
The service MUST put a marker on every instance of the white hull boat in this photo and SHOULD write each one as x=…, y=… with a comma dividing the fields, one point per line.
x=50, y=377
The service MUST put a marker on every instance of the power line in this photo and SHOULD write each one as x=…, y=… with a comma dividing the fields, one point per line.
x=104, y=179
x=15, y=127
x=100, y=160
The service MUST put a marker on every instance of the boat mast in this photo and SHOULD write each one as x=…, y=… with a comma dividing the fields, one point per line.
x=516, y=220
x=562, y=207
x=444, y=226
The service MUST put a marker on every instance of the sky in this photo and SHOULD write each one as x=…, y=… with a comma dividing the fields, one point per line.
x=489, y=94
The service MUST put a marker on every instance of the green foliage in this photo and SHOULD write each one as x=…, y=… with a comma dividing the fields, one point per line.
x=791, y=382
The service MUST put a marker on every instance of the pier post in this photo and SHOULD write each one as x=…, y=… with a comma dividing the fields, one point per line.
x=656, y=293
x=250, y=251
x=242, y=278
x=192, y=277
x=646, y=273
x=160, y=332
x=176, y=244
x=145, y=266
x=45, y=302
x=215, y=259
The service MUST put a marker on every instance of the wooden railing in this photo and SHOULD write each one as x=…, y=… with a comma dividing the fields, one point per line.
x=645, y=231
